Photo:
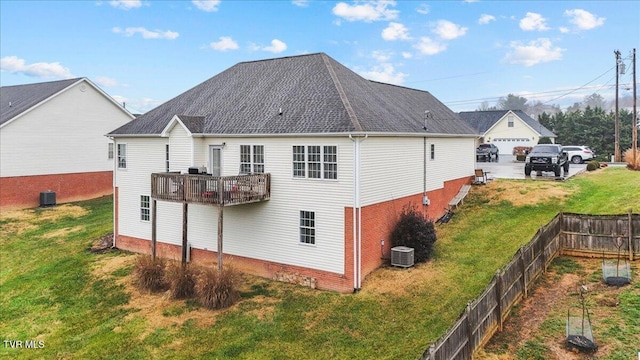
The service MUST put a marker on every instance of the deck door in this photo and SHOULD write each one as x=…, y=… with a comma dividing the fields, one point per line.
x=215, y=160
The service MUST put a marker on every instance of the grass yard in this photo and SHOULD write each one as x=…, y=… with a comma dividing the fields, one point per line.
x=80, y=305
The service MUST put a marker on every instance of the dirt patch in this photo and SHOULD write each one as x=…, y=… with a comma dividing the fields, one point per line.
x=20, y=221
x=522, y=193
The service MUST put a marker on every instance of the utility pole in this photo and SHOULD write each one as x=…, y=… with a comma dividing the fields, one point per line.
x=634, y=132
x=616, y=143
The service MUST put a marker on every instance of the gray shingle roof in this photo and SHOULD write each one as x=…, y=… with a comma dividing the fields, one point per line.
x=307, y=94
x=482, y=121
x=16, y=99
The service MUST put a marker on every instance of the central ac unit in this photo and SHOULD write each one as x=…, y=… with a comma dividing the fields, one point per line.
x=402, y=256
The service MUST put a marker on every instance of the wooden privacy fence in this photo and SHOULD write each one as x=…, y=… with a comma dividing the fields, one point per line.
x=572, y=234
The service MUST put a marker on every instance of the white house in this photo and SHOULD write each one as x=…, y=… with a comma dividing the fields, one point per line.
x=310, y=164
x=52, y=138
x=506, y=129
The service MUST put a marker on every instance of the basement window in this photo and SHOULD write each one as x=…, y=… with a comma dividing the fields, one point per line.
x=307, y=227
x=145, y=208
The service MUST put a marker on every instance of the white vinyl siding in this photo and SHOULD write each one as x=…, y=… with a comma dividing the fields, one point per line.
x=181, y=146
x=63, y=135
x=506, y=136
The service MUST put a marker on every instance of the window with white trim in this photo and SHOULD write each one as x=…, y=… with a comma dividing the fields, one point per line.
x=432, y=151
x=510, y=121
x=251, y=159
x=315, y=162
x=122, y=156
x=166, y=157
x=145, y=208
x=110, y=151
x=307, y=227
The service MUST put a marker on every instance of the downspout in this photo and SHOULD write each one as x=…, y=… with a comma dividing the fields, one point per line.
x=115, y=193
x=357, y=215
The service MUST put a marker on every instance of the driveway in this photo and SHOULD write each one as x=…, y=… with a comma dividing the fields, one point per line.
x=508, y=168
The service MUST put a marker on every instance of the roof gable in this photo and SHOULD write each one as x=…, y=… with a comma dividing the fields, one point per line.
x=483, y=121
x=307, y=94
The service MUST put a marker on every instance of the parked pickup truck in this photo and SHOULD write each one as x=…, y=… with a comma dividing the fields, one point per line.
x=486, y=152
x=547, y=157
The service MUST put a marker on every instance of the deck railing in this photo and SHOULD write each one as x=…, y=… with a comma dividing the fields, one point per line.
x=207, y=189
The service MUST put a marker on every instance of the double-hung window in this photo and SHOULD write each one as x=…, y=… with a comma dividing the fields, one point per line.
x=166, y=157
x=110, y=151
x=251, y=159
x=315, y=162
x=510, y=121
x=145, y=208
x=122, y=156
x=307, y=227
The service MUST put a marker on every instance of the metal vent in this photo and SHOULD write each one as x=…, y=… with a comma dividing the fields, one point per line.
x=47, y=198
x=402, y=256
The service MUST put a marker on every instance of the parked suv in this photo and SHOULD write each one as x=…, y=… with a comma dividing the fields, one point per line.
x=486, y=152
x=578, y=154
x=547, y=157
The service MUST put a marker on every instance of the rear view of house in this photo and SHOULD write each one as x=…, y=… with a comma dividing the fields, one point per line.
x=293, y=168
x=52, y=140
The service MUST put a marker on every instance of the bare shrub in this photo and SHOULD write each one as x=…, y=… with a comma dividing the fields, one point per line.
x=628, y=158
x=218, y=289
x=149, y=274
x=181, y=280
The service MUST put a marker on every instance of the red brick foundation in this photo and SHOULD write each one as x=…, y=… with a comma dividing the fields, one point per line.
x=22, y=192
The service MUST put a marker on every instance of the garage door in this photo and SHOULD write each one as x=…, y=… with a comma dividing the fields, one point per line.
x=506, y=145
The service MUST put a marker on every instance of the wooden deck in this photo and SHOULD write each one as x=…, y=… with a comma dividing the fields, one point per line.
x=210, y=190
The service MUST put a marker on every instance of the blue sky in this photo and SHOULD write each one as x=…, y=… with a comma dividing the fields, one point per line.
x=463, y=52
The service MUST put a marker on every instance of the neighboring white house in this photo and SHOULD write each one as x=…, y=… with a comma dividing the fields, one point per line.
x=52, y=138
x=506, y=129
x=310, y=163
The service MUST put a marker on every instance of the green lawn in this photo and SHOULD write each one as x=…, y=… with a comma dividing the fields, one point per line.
x=49, y=290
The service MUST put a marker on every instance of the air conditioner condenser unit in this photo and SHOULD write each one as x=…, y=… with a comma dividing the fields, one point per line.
x=402, y=256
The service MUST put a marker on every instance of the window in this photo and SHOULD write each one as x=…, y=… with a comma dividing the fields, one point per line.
x=145, y=209
x=307, y=227
x=510, y=121
x=122, y=156
x=110, y=151
x=433, y=151
x=166, y=157
x=315, y=162
x=251, y=159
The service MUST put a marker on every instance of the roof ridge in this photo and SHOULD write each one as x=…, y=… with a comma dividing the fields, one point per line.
x=343, y=95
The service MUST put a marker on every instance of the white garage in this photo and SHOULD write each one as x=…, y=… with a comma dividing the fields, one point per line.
x=506, y=145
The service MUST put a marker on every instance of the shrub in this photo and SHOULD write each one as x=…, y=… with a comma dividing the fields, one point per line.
x=628, y=158
x=149, y=274
x=545, y=140
x=182, y=280
x=414, y=231
x=521, y=157
x=592, y=165
x=217, y=289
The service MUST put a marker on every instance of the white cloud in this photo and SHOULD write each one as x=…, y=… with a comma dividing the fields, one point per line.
x=277, y=46
x=368, y=11
x=381, y=55
x=448, y=30
x=125, y=4
x=428, y=46
x=106, y=81
x=423, y=9
x=535, y=52
x=407, y=55
x=395, y=31
x=583, y=19
x=14, y=64
x=146, y=34
x=385, y=73
x=532, y=22
x=564, y=30
x=225, y=43
x=301, y=3
x=206, y=5
x=485, y=19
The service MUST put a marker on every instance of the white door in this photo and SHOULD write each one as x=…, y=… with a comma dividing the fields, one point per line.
x=215, y=160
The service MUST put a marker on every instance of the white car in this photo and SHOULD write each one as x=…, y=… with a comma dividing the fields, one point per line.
x=578, y=154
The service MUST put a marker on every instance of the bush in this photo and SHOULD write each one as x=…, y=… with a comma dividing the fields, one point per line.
x=545, y=140
x=182, y=280
x=217, y=289
x=593, y=165
x=628, y=158
x=414, y=231
x=148, y=274
x=521, y=157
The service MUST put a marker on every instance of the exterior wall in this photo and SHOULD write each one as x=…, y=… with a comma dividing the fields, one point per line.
x=505, y=137
x=20, y=192
x=64, y=135
x=180, y=149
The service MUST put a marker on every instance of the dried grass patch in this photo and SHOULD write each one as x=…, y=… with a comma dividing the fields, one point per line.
x=522, y=193
x=62, y=232
x=400, y=281
x=21, y=221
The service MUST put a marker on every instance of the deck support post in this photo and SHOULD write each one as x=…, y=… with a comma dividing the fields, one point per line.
x=220, y=222
x=185, y=209
x=154, y=224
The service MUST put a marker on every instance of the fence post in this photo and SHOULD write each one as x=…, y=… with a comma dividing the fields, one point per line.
x=432, y=351
x=630, y=235
x=499, y=298
x=523, y=270
x=543, y=245
x=467, y=313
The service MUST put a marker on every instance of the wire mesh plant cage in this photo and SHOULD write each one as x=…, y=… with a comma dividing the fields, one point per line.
x=616, y=272
x=579, y=333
